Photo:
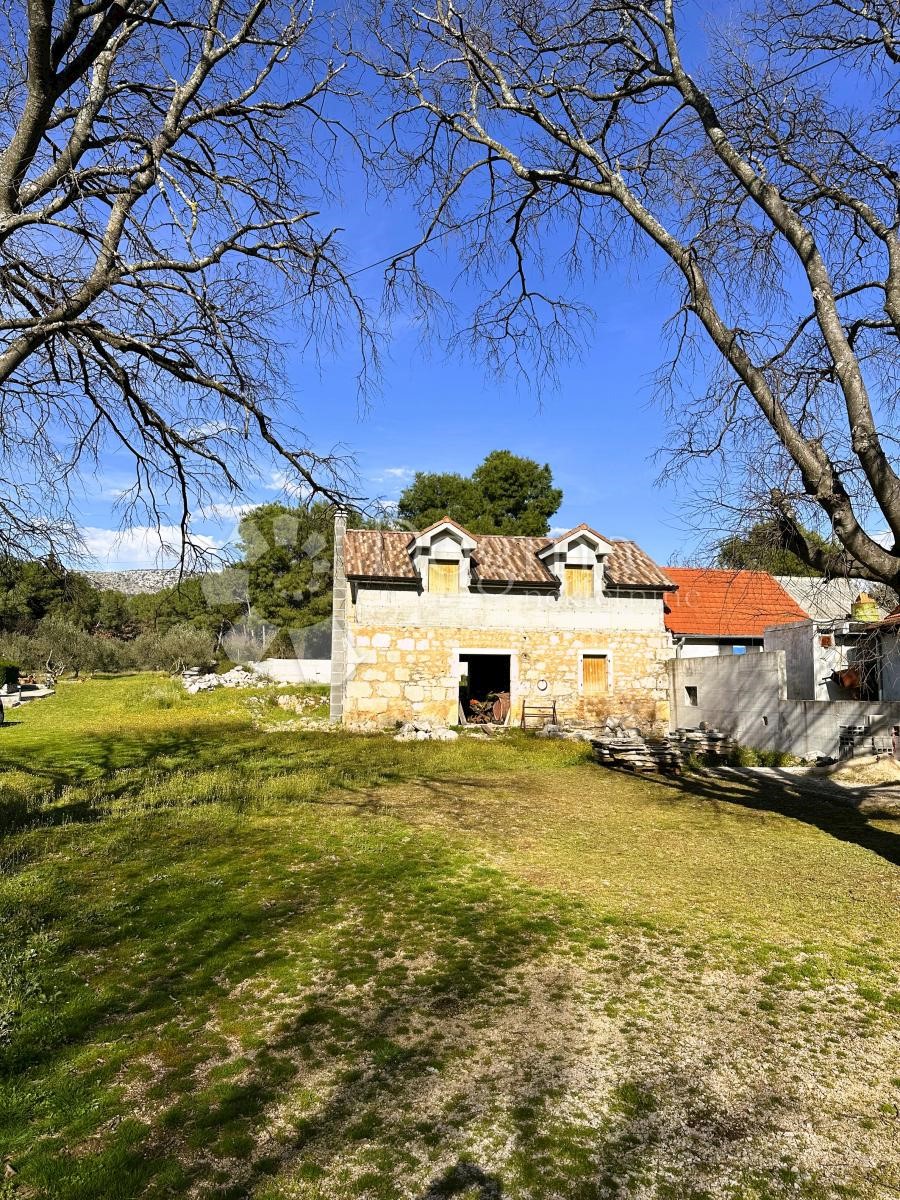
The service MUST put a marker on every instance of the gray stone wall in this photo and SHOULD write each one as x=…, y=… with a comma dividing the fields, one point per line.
x=747, y=697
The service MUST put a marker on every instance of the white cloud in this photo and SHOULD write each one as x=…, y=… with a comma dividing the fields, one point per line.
x=227, y=510
x=282, y=481
x=138, y=546
x=392, y=477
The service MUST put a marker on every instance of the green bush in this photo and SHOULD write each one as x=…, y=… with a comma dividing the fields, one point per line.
x=281, y=646
x=9, y=675
x=748, y=756
x=743, y=756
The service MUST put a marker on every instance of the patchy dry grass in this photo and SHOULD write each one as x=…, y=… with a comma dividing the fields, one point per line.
x=239, y=962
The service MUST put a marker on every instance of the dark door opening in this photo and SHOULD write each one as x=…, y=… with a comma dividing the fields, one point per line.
x=484, y=688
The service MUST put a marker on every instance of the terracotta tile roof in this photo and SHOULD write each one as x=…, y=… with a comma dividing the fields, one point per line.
x=499, y=559
x=384, y=554
x=730, y=604
x=378, y=554
x=628, y=566
x=582, y=528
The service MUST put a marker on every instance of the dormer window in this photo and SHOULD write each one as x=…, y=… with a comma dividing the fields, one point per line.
x=443, y=576
x=579, y=581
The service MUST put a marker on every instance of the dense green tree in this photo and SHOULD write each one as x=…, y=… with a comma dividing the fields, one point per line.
x=30, y=591
x=431, y=496
x=286, y=553
x=762, y=548
x=505, y=494
x=184, y=604
x=113, y=616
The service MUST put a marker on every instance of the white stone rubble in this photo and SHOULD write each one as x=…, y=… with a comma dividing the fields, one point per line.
x=237, y=677
x=424, y=731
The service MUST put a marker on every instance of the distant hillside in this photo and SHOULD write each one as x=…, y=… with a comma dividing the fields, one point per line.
x=139, y=582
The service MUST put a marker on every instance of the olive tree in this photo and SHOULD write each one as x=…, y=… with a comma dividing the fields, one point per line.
x=762, y=173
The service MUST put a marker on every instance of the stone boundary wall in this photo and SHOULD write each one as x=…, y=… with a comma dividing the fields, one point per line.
x=746, y=697
x=295, y=670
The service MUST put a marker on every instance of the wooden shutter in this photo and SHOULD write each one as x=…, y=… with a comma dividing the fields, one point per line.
x=579, y=581
x=443, y=577
x=595, y=677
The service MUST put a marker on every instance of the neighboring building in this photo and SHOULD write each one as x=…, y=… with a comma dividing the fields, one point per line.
x=426, y=622
x=833, y=599
x=724, y=612
x=830, y=660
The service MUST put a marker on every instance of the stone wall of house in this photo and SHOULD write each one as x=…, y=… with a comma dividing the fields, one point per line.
x=395, y=673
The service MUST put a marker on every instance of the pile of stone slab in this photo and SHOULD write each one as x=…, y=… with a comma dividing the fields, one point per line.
x=629, y=750
x=707, y=743
x=632, y=752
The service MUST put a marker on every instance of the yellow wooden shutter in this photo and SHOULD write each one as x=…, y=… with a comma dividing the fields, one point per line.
x=595, y=677
x=579, y=581
x=443, y=577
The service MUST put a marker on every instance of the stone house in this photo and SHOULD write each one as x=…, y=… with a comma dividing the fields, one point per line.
x=426, y=622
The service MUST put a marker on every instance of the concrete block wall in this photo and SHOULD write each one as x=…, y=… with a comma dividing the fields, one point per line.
x=747, y=698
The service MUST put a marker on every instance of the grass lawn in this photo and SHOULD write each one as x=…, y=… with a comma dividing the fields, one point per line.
x=242, y=959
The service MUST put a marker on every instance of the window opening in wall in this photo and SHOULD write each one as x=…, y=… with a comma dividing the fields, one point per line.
x=443, y=577
x=579, y=581
x=484, y=689
x=691, y=697
x=594, y=675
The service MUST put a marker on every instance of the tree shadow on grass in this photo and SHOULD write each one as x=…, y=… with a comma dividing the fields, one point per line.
x=826, y=812
x=464, y=1176
x=185, y=946
x=78, y=783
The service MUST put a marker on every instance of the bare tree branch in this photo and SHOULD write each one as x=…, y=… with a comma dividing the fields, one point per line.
x=156, y=165
x=775, y=202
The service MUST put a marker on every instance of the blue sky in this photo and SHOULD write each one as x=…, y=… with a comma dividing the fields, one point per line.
x=433, y=410
x=597, y=427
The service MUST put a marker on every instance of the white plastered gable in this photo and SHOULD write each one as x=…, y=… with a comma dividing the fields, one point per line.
x=578, y=548
x=444, y=542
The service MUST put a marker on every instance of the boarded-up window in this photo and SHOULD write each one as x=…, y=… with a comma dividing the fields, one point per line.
x=579, y=581
x=595, y=675
x=443, y=577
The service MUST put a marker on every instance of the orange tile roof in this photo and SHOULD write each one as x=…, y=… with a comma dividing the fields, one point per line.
x=728, y=604
x=384, y=554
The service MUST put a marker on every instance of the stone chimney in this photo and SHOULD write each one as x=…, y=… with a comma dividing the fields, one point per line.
x=339, y=619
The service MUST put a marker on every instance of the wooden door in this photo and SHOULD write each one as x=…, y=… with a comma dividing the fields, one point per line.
x=595, y=675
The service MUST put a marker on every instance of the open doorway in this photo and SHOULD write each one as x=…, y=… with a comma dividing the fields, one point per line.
x=484, y=688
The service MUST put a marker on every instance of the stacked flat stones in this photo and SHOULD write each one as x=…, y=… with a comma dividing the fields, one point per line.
x=630, y=751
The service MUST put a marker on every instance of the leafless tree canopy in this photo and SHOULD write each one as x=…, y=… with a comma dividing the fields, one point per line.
x=765, y=170
x=156, y=161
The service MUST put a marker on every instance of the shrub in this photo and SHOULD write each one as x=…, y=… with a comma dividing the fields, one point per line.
x=164, y=695
x=9, y=675
x=743, y=756
x=281, y=646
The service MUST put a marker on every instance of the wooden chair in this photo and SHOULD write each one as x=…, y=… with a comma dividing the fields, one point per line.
x=546, y=713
